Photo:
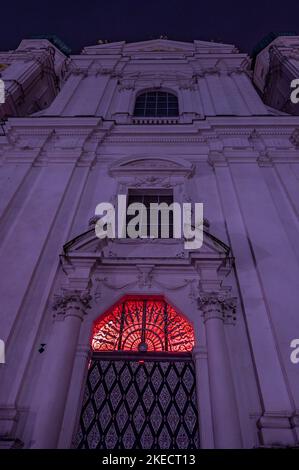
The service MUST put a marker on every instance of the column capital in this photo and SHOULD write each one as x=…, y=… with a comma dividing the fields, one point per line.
x=218, y=305
x=126, y=85
x=71, y=303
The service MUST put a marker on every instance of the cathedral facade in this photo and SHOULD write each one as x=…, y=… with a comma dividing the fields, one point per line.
x=141, y=343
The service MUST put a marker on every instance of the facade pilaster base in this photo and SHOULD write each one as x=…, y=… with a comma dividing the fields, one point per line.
x=10, y=443
x=8, y=420
x=295, y=425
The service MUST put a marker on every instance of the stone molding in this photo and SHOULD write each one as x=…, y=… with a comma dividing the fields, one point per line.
x=144, y=278
x=218, y=305
x=50, y=141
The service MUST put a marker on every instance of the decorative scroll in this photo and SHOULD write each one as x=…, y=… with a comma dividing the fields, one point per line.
x=143, y=324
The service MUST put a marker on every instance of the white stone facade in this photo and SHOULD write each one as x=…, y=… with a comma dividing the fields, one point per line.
x=226, y=149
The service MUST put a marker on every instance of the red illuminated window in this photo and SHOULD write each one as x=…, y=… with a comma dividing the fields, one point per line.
x=143, y=324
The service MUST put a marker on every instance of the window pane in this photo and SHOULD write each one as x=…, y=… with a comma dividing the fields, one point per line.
x=161, y=112
x=167, y=199
x=148, y=199
x=139, y=112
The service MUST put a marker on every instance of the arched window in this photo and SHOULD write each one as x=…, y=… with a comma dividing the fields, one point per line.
x=156, y=104
x=143, y=324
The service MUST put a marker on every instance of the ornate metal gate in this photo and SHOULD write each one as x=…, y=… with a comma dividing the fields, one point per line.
x=139, y=401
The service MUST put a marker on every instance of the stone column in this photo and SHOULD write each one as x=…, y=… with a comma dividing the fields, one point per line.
x=57, y=368
x=217, y=310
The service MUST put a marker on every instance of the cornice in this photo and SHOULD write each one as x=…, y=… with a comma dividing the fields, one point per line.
x=26, y=137
x=54, y=121
x=229, y=124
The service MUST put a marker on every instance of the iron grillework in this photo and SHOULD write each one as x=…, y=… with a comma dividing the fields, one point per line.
x=131, y=404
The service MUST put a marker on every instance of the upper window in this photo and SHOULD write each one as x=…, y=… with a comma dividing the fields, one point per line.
x=143, y=324
x=156, y=104
x=164, y=199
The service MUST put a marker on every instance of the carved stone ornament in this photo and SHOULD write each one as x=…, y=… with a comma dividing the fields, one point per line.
x=126, y=84
x=264, y=159
x=189, y=84
x=145, y=275
x=101, y=282
x=145, y=279
x=218, y=305
x=150, y=181
x=295, y=138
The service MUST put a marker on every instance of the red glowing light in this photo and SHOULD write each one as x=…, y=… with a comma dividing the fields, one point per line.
x=143, y=324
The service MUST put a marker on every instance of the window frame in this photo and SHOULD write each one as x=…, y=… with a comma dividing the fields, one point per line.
x=169, y=95
x=148, y=192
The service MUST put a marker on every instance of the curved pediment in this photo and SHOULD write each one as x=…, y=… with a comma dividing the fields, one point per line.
x=147, y=164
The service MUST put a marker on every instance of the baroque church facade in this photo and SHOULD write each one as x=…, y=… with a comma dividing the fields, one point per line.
x=140, y=343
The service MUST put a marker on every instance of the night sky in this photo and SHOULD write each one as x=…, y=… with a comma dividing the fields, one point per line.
x=80, y=24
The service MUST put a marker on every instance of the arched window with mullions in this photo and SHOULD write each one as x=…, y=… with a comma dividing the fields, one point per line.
x=156, y=104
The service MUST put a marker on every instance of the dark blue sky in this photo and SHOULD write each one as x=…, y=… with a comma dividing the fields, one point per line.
x=80, y=24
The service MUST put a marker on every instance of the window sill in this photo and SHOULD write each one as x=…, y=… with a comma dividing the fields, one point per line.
x=155, y=120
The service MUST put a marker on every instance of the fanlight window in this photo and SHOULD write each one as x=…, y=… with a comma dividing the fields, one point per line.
x=143, y=324
x=156, y=104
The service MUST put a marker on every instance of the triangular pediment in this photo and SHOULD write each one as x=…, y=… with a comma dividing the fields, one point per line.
x=160, y=45
x=156, y=46
x=205, y=47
